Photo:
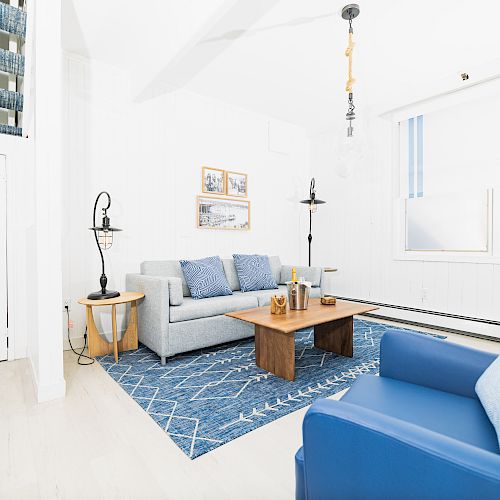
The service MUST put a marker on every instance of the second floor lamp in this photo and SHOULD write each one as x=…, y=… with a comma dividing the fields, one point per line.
x=312, y=202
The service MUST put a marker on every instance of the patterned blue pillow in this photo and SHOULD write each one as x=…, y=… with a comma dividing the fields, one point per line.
x=205, y=277
x=488, y=392
x=254, y=272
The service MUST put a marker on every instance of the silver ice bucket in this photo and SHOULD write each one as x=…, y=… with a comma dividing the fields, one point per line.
x=298, y=295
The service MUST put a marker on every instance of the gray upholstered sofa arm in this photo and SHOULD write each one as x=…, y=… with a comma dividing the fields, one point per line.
x=313, y=274
x=323, y=279
x=153, y=311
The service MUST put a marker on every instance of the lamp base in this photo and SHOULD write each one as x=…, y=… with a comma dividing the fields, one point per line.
x=100, y=295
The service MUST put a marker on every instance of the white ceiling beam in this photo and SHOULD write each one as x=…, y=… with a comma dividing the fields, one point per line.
x=215, y=36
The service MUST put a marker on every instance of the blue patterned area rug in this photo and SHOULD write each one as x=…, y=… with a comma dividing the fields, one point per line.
x=203, y=399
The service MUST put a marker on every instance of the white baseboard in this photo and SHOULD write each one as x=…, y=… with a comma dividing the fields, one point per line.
x=47, y=392
x=77, y=342
x=467, y=327
x=53, y=391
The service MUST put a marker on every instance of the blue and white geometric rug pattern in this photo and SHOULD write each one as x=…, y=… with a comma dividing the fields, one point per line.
x=205, y=398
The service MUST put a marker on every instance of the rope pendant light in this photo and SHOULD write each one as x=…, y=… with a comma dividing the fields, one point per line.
x=349, y=12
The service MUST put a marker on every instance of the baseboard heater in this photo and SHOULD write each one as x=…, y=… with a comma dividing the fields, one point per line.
x=433, y=313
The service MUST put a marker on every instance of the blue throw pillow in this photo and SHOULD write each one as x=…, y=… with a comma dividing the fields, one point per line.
x=488, y=391
x=205, y=277
x=254, y=272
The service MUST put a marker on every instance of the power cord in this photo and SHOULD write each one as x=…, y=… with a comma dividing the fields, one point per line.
x=79, y=354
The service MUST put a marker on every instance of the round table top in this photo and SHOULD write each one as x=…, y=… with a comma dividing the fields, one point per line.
x=122, y=299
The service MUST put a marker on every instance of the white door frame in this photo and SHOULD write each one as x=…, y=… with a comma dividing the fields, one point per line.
x=3, y=259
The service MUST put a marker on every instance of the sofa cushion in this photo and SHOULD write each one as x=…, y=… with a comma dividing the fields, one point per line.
x=254, y=272
x=167, y=268
x=214, y=306
x=275, y=265
x=175, y=291
x=458, y=417
x=172, y=268
x=264, y=296
x=231, y=274
x=205, y=277
x=312, y=274
x=488, y=391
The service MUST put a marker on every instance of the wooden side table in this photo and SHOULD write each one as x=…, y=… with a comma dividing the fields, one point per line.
x=98, y=346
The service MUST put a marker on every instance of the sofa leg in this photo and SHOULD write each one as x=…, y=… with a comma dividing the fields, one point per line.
x=163, y=360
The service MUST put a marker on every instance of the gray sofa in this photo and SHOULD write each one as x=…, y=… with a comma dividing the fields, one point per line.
x=172, y=322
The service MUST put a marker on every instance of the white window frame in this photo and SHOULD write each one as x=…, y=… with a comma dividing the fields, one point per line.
x=492, y=256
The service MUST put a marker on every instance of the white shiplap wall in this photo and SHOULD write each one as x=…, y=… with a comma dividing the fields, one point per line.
x=149, y=157
x=354, y=231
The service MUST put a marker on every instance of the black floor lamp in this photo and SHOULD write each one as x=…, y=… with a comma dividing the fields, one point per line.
x=312, y=202
x=104, y=239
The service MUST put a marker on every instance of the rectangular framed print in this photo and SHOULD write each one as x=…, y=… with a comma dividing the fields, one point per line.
x=236, y=184
x=222, y=213
x=213, y=181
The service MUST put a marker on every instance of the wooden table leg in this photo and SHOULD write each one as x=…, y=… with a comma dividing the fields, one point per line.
x=115, y=341
x=275, y=352
x=129, y=340
x=336, y=336
x=97, y=346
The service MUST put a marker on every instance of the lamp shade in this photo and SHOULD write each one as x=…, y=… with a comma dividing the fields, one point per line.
x=311, y=200
x=104, y=228
x=104, y=233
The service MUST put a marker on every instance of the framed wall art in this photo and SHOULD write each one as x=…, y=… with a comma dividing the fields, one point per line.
x=222, y=213
x=236, y=184
x=213, y=181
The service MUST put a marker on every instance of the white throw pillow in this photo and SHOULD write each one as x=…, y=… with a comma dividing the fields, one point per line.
x=488, y=391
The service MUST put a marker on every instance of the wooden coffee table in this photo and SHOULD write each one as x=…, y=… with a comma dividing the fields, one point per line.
x=275, y=339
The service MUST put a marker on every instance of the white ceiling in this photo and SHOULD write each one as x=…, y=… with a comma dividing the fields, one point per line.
x=285, y=58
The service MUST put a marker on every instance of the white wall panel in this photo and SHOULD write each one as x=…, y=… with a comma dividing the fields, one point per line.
x=3, y=259
x=484, y=292
x=435, y=283
x=495, y=313
x=358, y=239
x=149, y=157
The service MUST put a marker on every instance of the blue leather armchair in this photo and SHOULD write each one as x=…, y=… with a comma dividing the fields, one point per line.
x=417, y=431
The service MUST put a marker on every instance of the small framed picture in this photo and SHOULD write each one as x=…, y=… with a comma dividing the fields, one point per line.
x=213, y=181
x=236, y=184
x=222, y=213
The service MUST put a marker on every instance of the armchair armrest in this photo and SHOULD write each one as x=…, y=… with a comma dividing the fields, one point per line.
x=354, y=452
x=431, y=362
x=153, y=311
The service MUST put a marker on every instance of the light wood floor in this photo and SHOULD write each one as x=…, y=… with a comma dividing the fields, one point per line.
x=98, y=444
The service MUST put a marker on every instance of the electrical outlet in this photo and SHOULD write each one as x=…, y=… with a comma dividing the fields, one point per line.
x=66, y=303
